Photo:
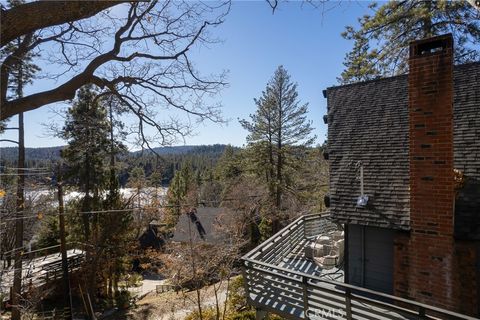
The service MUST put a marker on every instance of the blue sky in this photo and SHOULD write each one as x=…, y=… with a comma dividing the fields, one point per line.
x=305, y=40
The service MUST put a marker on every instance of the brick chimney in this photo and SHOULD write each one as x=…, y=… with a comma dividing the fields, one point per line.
x=432, y=194
x=427, y=260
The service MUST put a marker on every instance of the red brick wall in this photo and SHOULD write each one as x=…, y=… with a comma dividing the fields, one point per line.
x=427, y=265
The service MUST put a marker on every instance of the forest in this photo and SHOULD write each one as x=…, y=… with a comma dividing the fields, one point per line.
x=123, y=216
x=169, y=159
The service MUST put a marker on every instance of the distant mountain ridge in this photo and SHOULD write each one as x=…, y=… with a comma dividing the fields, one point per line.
x=44, y=153
x=53, y=153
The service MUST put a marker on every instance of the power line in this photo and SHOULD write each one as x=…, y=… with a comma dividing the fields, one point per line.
x=26, y=174
x=33, y=251
x=27, y=168
x=135, y=209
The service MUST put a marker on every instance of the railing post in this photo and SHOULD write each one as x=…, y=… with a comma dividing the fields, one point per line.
x=260, y=314
x=305, y=296
x=304, y=222
x=348, y=304
x=245, y=282
x=421, y=312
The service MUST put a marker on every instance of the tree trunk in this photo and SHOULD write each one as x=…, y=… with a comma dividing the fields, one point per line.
x=217, y=302
x=194, y=271
x=110, y=281
x=17, y=278
x=17, y=275
x=63, y=249
x=115, y=284
x=227, y=291
x=86, y=203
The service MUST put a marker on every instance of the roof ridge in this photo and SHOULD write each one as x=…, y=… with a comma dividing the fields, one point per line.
x=458, y=66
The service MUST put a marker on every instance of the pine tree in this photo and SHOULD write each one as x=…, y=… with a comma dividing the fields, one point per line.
x=93, y=136
x=381, y=43
x=182, y=192
x=116, y=135
x=360, y=63
x=87, y=131
x=116, y=225
x=277, y=133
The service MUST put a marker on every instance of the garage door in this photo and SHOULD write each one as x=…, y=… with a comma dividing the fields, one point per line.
x=370, y=257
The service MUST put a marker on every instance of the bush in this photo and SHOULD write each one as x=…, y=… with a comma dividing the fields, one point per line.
x=123, y=299
x=135, y=280
x=236, y=294
x=207, y=314
x=243, y=315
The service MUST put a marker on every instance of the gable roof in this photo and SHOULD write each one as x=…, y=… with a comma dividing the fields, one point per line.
x=368, y=122
x=215, y=221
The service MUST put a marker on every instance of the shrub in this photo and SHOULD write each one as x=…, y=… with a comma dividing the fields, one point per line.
x=135, y=280
x=243, y=315
x=236, y=294
x=207, y=314
x=123, y=299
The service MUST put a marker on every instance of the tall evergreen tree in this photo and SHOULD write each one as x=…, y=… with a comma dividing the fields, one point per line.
x=87, y=131
x=93, y=136
x=181, y=192
x=278, y=131
x=382, y=41
x=116, y=135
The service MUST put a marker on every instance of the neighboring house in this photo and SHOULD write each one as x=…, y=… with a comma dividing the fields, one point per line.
x=208, y=224
x=413, y=143
x=152, y=238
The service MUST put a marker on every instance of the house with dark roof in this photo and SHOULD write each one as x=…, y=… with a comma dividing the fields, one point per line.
x=410, y=147
x=404, y=155
x=152, y=237
x=208, y=224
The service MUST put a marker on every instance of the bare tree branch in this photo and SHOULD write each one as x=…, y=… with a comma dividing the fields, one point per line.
x=141, y=57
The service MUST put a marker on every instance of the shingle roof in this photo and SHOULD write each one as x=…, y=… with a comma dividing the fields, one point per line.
x=368, y=122
x=215, y=221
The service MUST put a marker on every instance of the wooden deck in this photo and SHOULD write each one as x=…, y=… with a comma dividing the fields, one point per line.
x=279, y=279
x=38, y=271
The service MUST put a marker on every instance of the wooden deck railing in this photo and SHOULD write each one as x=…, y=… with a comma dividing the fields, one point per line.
x=297, y=295
x=292, y=238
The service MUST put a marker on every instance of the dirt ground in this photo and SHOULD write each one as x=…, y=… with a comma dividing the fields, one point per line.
x=171, y=305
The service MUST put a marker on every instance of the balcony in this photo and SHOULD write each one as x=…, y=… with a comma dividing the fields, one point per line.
x=281, y=278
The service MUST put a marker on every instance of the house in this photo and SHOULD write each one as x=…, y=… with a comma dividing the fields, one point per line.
x=152, y=237
x=410, y=145
x=404, y=156
x=209, y=224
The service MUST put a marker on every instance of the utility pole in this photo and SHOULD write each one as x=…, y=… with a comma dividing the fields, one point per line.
x=17, y=274
x=63, y=250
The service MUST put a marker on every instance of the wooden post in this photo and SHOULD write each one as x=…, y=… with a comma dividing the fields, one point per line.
x=305, y=296
x=260, y=314
x=63, y=249
x=348, y=304
x=83, y=299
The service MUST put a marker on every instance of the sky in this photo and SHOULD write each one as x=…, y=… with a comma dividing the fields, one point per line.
x=304, y=39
